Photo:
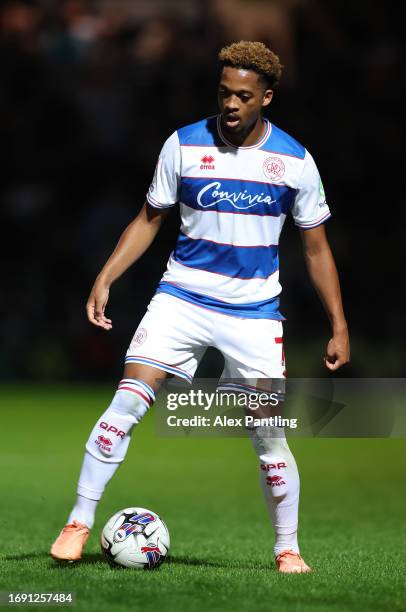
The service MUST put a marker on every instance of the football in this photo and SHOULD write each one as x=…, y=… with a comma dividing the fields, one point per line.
x=136, y=538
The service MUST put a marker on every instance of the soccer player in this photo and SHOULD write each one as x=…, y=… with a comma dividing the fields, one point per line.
x=235, y=177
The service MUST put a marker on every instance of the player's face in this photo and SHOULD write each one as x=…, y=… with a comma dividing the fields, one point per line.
x=241, y=98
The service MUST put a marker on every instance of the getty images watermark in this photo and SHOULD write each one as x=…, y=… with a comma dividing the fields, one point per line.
x=298, y=407
x=220, y=399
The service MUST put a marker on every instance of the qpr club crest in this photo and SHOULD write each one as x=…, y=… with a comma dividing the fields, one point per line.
x=140, y=335
x=274, y=168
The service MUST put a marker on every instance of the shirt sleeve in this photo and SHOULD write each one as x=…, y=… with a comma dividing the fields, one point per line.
x=164, y=189
x=310, y=208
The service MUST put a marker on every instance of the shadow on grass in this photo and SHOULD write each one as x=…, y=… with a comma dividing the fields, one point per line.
x=219, y=564
x=95, y=558
x=27, y=557
x=88, y=559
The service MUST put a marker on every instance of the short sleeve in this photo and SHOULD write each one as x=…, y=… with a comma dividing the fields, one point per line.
x=310, y=208
x=164, y=189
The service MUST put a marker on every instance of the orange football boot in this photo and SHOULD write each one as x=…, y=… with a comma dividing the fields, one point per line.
x=289, y=562
x=69, y=544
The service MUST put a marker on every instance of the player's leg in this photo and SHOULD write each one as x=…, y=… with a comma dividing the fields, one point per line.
x=168, y=342
x=279, y=479
x=105, y=451
x=109, y=440
x=257, y=361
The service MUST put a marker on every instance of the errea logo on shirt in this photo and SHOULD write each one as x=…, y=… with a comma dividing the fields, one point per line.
x=207, y=162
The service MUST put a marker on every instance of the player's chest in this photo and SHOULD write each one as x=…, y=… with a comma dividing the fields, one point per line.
x=242, y=181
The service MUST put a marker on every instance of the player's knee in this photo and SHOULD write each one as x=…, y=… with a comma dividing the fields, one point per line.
x=110, y=437
x=268, y=441
x=133, y=399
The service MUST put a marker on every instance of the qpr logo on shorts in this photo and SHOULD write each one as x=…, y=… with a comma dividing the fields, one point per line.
x=274, y=168
x=140, y=336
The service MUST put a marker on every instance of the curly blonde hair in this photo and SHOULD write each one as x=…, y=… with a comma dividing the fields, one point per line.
x=253, y=56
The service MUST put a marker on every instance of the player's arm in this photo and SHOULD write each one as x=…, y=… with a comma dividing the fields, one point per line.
x=323, y=273
x=162, y=195
x=134, y=241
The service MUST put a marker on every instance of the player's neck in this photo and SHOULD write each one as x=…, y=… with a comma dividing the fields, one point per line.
x=249, y=137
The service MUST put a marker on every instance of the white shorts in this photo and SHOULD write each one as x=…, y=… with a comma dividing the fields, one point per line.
x=174, y=334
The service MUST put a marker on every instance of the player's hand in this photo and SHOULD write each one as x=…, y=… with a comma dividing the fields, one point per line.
x=338, y=351
x=96, y=305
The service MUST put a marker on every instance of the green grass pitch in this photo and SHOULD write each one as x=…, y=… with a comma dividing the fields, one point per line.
x=352, y=515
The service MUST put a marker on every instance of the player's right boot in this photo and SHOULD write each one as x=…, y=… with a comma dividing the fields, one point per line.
x=69, y=545
x=289, y=562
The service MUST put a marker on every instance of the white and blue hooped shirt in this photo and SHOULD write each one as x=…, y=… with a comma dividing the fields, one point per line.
x=233, y=203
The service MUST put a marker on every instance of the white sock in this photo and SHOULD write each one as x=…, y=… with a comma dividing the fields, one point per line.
x=94, y=476
x=280, y=484
x=84, y=511
x=285, y=542
x=279, y=478
x=108, y=444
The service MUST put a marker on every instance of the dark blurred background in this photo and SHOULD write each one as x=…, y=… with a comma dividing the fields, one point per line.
x=89, y=92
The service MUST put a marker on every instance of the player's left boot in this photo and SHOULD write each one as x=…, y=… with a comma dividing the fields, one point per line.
x=289, y=562
x=69, y=544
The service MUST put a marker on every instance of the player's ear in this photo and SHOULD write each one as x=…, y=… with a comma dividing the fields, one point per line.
x=266, y=100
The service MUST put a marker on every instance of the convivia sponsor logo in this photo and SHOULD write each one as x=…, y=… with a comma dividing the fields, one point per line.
x=213, y=194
